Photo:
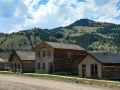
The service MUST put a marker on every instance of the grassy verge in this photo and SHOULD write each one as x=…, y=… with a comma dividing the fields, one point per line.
x=102, y=83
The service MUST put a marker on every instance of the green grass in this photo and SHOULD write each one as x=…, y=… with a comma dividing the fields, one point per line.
x=103, y=83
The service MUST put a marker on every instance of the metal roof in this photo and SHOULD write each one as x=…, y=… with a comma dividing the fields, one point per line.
x=25, y=55
x=107, y=57
x=64, y=46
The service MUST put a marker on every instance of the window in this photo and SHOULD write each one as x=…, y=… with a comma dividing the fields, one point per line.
x=38, y=66
x=49, y=53
x=43, y=53
x=12, y=66
x=69, y=55
x=43, y=66
x=18, y=66
x=94, y=72
x=15, y=65
x=38, y=53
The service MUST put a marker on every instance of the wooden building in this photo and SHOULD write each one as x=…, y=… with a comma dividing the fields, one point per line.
x=59, y=58
x=22, y=61
x=100, y=65
x=3, y=64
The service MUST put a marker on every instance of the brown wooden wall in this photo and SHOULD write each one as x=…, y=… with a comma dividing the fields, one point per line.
x=3, y=64
x=65, y=65
x=28, y=66
x=111, y=72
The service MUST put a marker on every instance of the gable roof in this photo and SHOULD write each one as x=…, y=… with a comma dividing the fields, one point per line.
x=107, y=57
x=104, y=57
x=63, y=46
x=25, y=55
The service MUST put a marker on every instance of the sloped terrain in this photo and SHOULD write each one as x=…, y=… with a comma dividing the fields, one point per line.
x=91, y=35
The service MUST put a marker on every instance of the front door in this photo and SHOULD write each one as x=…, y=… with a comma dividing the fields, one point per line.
x=50, y=68
x=83, y=70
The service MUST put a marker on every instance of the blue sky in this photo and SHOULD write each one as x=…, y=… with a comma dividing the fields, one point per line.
x=16, y=15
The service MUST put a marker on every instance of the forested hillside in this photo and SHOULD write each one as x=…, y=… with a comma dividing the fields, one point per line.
x=91, y=35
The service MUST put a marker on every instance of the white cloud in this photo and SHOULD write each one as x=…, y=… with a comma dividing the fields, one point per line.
x=26, y=14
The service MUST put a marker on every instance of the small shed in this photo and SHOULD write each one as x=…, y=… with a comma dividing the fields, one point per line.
x=100, y=65
x=22, y=61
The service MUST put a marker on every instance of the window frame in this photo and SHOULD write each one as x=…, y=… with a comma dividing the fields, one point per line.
x=12, y=66
x=49, y=53
x=43, y=67
x=38, y=65
x=38, y=53
x=43, y=54
x=94, y=70
x=18, y=65
x=69, y=54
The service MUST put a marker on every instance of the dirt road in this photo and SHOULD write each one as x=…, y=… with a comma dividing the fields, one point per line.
x=14, y=82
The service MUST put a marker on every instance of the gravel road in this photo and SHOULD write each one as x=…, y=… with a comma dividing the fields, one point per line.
x=14, y=82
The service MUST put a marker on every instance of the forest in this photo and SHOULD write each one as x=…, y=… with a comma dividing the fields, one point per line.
x=90, y=35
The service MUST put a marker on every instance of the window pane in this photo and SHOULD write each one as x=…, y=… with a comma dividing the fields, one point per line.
x=18, y=66
x=69, y=55
x=43, y=65
x=43, y=53
x=92, y=67
x=12, y=66
x=94, y=70
x=38, y=53
x=49, y=53
x=95, y=67
x=15, y=65
x=38, y=66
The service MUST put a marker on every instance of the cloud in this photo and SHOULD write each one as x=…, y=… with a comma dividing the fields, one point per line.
x=26, y=14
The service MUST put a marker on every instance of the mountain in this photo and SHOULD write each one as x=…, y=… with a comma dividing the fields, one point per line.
x=91, y=35
x=2, y=34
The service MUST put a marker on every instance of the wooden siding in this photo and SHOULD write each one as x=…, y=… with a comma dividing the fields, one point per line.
x=3, y=65
x=28, y=66
x=65, y=65
x=111, y=72
x=88, y=60
x=47, y=59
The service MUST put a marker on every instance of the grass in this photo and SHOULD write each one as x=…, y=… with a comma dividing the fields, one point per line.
x=103, y=83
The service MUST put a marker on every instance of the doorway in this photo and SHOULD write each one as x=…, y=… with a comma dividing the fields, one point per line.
x=50, y=67
x=83, y=70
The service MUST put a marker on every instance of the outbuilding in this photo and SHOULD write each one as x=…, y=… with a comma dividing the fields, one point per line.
x=100, y=65
x=22, y=61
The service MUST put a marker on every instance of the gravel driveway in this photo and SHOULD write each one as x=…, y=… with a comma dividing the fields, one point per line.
x=14, y=82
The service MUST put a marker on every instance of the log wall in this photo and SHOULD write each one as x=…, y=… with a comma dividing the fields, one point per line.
x=64, y=64
x=111, y=72
x=28, y=66
x=3, y=65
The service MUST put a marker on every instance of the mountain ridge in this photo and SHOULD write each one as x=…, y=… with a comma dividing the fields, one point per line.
x=91, y=35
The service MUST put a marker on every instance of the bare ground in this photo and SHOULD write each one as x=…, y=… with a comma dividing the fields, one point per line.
x=14, y=82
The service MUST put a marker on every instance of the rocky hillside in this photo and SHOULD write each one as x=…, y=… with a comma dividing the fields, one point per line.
x=91, y=35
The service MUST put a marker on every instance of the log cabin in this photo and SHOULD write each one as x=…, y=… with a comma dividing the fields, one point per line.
x=22, y=61
x=100, y=65
x=58, y=58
